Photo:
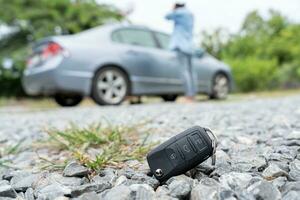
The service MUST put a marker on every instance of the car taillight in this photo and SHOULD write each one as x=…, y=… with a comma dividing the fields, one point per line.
x=51, y=49
x=45, y=52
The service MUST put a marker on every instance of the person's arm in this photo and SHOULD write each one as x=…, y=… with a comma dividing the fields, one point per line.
x=172, y=15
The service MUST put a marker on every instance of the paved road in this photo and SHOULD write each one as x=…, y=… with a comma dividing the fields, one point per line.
x=258, y=153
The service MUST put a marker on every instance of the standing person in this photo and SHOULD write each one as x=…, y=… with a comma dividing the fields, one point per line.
x=182, y=43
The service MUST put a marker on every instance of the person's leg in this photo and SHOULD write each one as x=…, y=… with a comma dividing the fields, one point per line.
x=187, y=76
x=192, y=87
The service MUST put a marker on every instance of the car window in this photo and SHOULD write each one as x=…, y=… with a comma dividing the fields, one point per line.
x=134, y=37
x=116, y=36
x=163, y=39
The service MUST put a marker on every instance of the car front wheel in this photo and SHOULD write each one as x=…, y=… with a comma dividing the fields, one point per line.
x=110, y=86
x=67, y=100
x=221, y=86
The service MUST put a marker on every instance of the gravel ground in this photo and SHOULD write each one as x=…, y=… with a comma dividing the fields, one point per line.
x=258, y=156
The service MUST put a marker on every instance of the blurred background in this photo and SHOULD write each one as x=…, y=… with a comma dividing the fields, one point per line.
x=260, y=40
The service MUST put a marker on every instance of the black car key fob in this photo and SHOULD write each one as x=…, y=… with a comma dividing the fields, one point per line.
x=182, y=153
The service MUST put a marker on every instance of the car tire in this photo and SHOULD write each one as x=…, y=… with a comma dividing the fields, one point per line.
x=169, y=97
x=110, y=86
x=67, y=100
x=220, y=86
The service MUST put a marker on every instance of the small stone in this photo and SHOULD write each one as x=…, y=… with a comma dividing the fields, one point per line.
x=109, y=175
x=295, y=170
x=290, y=186
x=142, y=178
x=142, y=191
x=21, y=183
x=144, y=168
x=10, y=174
x=7, y=191
x=61, y=198
x=133, y=163
x=120, y=192
x=162, y=191
x=235, y=180
x=292, y=195
x=75, y=169
x=29, y=194
x=96, y=187
x=121, y=180
x=53, y=191
x=180, y=189
x=273, y=171
x=88, y=196
x=264, y=190
x=128, y=172
x=4, y=182
x=207, y=189
x=279, y=182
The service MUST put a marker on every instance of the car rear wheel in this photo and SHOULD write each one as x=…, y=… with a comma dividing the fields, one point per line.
x=67, y=100
x=221, y=87
x=110, y=86
x=169, y=97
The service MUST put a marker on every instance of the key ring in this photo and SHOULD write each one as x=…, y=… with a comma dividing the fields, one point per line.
x=214, y=143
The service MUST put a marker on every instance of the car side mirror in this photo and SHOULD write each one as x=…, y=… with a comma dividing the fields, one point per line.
x=199, y=53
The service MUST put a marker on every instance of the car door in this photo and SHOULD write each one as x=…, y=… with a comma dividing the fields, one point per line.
x=170, y=63
x=144, y=61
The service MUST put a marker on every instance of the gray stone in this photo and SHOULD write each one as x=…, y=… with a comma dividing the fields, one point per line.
x=7, y=191
x=128, y=172
x=264, y=190
x=227, y=194
x=120, y=192
x=88, y=196
x=235, y=180
x=207, y=189
x=53, y=191
x=142, y=191
x=121, y=180
x=62, y=198
x=162, y=191
x=4, y=182
x=29, y=194
x=279, y=182
x=75, y=169
x=180, y=189
x=109, y=175
x=140, y=178
x=295, y=170
x=290, y=186
x=10, y=174
x=96, y=187
x=273, y=171
x=21, y=183
x=144, y=168
x=249, y=162
x=292, y=195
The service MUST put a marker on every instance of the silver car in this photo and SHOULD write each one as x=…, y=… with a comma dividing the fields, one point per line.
x=113, y=61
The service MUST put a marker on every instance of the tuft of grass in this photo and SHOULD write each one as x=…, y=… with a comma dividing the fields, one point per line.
x=116, y=145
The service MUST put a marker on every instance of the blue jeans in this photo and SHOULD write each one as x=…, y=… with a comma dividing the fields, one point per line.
x=187, y=73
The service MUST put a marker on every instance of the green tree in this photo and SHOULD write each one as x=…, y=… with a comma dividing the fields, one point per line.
x=30, y=20
x=264, y=54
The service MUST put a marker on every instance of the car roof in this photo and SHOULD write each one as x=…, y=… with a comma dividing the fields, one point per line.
x=109, y=28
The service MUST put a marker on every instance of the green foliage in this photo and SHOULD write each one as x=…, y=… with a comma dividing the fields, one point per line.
x=31, y=20
x=252, y=73
x=264, y=54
